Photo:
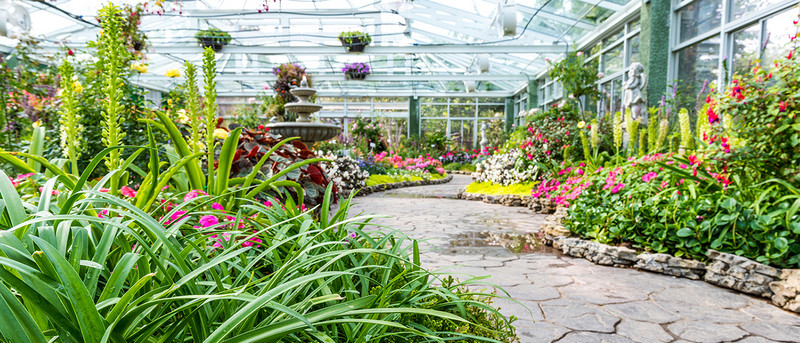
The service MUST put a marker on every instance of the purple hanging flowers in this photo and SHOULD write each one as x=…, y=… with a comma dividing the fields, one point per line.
x=356, y=71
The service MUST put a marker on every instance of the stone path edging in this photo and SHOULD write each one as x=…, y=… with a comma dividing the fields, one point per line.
x=723, y=270
x=502, y=199
x=395, y=185
x=459, y=172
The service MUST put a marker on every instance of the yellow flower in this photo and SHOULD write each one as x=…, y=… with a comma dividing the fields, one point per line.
x=174, y=72
x=142, y=68
x=581, y=124
x=37, y=124
x=77, y=87
x=221, y=133
x=183, y=116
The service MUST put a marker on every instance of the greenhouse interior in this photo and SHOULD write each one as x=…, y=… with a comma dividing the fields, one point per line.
x=399, y=171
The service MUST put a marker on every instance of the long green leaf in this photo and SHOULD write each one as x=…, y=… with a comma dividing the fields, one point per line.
x=225, y=159
x=193, y=169
x=90, y=321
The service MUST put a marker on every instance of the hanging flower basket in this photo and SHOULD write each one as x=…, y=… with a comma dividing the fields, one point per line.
x=214, y=38
x=356, y=76
x=356, y=71
x=355, y=41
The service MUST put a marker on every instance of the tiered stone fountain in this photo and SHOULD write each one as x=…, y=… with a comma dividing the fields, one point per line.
x=308, y=132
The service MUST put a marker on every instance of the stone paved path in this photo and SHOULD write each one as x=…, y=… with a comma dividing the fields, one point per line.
x=573, y=300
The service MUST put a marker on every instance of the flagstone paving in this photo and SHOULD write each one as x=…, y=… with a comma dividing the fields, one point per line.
x=564, y=299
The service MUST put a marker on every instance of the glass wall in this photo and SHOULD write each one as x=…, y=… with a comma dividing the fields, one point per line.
x=459, y=118
x=614, y=54
x=717, y=39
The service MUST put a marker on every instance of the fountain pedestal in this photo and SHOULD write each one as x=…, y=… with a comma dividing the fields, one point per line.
x=308, y=132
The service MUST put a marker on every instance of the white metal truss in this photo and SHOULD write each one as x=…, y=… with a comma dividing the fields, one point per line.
x=423, y=51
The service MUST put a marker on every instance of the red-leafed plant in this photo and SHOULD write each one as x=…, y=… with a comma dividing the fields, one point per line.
x=253, y=144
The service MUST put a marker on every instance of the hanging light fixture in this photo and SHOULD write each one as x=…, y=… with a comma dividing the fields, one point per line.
x=14, y=19
x=483, y=63
x=396, y=6
x=507, y=17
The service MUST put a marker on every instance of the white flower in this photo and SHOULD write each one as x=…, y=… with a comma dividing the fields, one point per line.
x=571, y=96
x=579, y=53
x=600, y=75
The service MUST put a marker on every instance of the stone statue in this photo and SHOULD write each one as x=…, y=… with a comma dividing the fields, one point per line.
x=484, y=142
x=632, y=98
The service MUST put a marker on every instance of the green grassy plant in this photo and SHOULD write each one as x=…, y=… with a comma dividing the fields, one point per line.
x=494, y=189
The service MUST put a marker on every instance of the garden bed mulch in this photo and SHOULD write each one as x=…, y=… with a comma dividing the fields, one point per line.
x=395, y=185
x=722, y=269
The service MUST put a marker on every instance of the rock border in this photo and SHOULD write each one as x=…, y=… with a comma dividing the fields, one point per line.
x=511, y=200
x=459, y=172
x=724, y=270
x=395, y=185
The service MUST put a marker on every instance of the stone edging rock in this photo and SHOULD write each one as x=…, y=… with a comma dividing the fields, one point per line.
x=723, y=269
x=459, y=172
x=504, y=199
x=403, y=184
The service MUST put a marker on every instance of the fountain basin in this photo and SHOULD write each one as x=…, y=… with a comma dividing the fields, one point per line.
x=309, y=133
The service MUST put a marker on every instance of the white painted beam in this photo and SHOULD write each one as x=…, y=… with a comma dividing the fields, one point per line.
x=374, y=77
x=388, y=93
x=338, y=50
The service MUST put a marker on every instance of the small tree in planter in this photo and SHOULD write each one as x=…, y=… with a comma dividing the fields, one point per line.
x=355, y=41
x=356, y=71
x=214, y=38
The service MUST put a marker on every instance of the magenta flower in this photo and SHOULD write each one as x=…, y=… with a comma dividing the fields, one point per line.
x=217, y=206
x=209, y=220
x=127, y=191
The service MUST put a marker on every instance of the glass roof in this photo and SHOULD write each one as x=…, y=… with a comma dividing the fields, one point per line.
x=424, y=47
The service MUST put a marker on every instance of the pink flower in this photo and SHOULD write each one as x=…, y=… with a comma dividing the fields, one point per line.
x=268, y=203
x=649, y=176
x=208, y=220
x=250, y=242
x=127, y=191
x=104, y=190
x=618, y=188
x=176, y=215
x=683, y=166
x=217, y=206
x=193, y=194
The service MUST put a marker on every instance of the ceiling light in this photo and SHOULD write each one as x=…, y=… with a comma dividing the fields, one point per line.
x=14, y=19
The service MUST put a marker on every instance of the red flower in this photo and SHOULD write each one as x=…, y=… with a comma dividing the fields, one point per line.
x=708, y=99
x=693, y=160
x=790, y=55
x=712, y=117
x=782, y=106
x=70, y=52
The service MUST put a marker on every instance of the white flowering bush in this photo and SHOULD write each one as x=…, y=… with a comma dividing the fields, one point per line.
x=344, y=172
x=505, y=169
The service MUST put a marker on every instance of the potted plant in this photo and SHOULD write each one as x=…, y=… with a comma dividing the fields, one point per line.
x=355, y=41
x=214, y=38
x=356, y=71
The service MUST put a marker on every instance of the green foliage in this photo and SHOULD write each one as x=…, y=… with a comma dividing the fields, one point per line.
x=281, y=276
x=209, y=73
x=686, y=129
x=213, y=36
x=758, y=111
x=351, y=37
x=576, y=75
x=193, y=107
x=70, y=120
x=112, y=57
x=367, y=136
x=400, y=176
x=678, y=213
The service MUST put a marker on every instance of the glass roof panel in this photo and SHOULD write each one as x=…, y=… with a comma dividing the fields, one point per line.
x=434, y=44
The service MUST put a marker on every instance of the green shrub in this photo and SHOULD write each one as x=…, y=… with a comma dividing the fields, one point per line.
x=213, y=35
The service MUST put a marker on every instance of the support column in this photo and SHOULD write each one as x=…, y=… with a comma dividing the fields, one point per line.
x=413, y=116
x=533, y=94
x=655, y=16
x=509, y=114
